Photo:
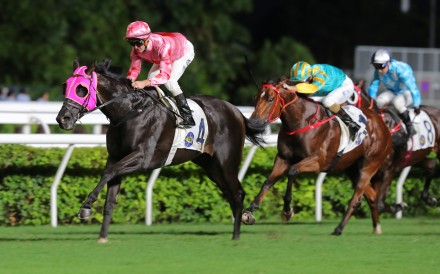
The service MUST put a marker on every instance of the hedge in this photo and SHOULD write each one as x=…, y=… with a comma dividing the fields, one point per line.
x=182, y=193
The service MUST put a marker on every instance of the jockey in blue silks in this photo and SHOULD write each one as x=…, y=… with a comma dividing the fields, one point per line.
x=402, y=91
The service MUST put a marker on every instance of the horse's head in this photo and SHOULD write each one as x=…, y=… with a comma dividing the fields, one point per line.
x=80, y=96
x=271, y=100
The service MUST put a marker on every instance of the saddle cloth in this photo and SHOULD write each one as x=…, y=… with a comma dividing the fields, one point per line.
x=425, y=137
x=189, y=138
x=346, y=144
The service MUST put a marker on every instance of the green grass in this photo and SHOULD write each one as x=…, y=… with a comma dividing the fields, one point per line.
x=406, y=246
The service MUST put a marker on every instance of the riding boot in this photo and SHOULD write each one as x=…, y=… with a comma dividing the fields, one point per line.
x=185, y=112
x=409, y=126
x=352, y=126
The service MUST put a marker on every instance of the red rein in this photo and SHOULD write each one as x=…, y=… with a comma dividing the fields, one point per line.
x=280, y=100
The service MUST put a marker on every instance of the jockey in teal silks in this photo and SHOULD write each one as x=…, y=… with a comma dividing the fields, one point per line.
x=329, y=82
x=402, y=90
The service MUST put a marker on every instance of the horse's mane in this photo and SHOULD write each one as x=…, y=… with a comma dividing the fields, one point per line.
x=106, y=69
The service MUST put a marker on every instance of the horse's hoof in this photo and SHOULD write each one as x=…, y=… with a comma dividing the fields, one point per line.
x=377, y=230
x=248, y=218
x=84, y=213
x=286, y=216
x=337, y=232
x=102, y=240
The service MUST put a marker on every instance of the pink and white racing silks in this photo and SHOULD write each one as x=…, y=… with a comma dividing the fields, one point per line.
x=163, y=49
x=89, y=82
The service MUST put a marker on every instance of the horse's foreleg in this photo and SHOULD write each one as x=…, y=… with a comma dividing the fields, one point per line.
x=110, y=201
x=131, y=163
x=279, y=168
x=86, y=209
x=287, y=212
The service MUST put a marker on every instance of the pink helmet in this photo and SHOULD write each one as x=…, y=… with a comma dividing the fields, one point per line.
x=137, y=29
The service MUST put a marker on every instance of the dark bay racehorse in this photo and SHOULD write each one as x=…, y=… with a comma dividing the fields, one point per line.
x=309, y=143
x=401, y=157
x=141, y=132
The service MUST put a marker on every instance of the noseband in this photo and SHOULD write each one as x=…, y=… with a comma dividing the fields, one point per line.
x=279, y=100
x=312, y=123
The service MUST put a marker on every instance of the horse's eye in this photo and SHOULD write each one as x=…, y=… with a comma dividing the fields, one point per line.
x=81, y=91
x=270, y=100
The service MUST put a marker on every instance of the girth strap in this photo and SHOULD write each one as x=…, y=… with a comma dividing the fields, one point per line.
x=335, y=160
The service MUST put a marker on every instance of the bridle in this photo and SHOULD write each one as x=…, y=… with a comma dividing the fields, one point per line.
x=279, y=100
x=88, y=103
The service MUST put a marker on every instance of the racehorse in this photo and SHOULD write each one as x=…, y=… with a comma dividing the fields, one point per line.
x=308, y=141
x=401, y=155
x=141, y=134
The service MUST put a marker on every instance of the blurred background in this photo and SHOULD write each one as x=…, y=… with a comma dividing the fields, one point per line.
x=40, y=39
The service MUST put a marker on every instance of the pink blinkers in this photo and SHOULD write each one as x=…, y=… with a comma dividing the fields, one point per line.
x=89, y=82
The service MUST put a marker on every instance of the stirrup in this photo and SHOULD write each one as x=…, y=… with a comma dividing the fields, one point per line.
x=183, y=125
x=353, y=130
x=411, y=133
x=186, y=124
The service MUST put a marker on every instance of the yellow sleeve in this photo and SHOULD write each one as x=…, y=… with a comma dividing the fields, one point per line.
x=307, y=88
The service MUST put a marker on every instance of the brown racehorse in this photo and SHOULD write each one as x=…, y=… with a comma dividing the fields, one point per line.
x=401, y=157
x=141, y=134
x=315, y=150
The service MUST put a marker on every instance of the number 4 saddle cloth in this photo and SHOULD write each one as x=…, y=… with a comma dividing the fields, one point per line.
x=189, y=138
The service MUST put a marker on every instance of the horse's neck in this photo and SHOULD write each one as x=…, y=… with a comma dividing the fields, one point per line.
x=114, y=98
x=302, y=113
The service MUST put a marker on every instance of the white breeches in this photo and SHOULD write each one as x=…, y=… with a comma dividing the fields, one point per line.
x=339, y=95
x=178, y=68
x=399, y=101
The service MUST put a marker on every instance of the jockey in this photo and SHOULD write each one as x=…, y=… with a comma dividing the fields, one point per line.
x=402, y=90
x=170, y=53
x=329, y=82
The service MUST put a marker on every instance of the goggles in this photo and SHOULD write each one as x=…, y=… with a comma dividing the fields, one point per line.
x=379, y=66
x=135, y=42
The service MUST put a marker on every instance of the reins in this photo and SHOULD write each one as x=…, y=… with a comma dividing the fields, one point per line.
x=284, y=105
x=89, y=102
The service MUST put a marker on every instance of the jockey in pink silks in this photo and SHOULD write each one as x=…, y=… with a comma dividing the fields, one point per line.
x=170, y=53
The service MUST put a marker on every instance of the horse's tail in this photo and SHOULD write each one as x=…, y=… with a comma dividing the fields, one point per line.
x=254, y=132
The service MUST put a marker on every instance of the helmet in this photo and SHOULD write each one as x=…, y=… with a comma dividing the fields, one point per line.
x=137, y=29
x=380, y=57
x=300, y=71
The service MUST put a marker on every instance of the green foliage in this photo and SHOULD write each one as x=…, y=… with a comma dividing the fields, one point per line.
x=46, y=36
x=181, y=194
x=271, y=62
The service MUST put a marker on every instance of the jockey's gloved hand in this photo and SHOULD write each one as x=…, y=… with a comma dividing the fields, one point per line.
x=417, y=110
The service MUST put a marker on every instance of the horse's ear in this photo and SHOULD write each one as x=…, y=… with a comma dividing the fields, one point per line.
x=106, y=63
x=75, y=64
x=360, y=84
x=90, y=69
